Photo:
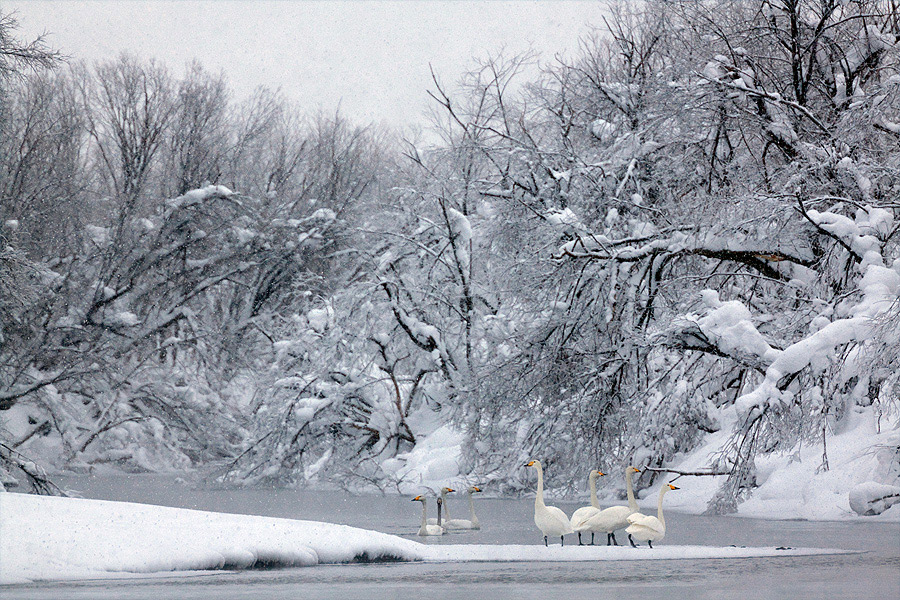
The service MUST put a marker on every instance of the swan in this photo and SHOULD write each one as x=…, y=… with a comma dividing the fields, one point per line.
x=427, y=529
x=614, y=517
x=444, y=492
x=649, y=528
x=462, y=524
x=549, y=519
x=580, y=516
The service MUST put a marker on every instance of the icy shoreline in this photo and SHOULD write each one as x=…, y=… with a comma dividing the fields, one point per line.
x=52, y=539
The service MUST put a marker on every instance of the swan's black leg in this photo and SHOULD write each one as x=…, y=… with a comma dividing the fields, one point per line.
x=592, y=538
x=613, y=534
x=545, y=541
x=579, y=539
x=631, y=541
x=649, y=543
x=562, y=541
x=608, y=539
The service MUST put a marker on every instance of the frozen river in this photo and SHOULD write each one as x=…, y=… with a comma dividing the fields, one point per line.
x=874, y=572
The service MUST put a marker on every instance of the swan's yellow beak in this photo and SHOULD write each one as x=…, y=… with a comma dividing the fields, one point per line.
x=672, y=487
x=475, y=488
x=529, y=463
x=450, y=490
x=600, y=473
x=636, y=470
x=417, y=499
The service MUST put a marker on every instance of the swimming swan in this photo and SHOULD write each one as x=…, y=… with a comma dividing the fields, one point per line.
x=427, y=529
x=549, y=519
x=466, y=524
x=614, y=517
x=444, y=492
x=580, y=516
x=647, y=528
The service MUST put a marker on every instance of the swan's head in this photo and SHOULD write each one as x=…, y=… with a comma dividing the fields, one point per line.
x=419, y=499
x=474, y=489
x=447, y=490
x=672, y=487
x=533, y=463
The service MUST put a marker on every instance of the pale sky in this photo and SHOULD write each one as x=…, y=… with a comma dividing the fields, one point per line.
x=372, y=57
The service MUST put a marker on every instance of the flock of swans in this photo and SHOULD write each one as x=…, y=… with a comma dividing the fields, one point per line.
x=440, y=526
x=552, y=521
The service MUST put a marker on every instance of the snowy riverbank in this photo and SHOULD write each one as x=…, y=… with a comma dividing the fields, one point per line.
x=794, y=485
x=51, y=538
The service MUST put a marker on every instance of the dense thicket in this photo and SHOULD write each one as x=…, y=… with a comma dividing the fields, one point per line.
x=690, y=226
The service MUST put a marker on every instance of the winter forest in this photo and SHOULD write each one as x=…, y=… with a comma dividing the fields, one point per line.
x=679, y=248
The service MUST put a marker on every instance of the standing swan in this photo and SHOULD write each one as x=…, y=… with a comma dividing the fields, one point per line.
x=549, y=519
x=614, y=517
x=427, y=529
x=580, y=516
x=444, y=492
x=461, y=524
x=647, y=528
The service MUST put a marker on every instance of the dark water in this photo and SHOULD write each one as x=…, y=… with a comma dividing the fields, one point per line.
x=874, y=573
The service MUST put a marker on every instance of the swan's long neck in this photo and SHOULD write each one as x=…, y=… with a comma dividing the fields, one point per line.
x=472, y=510
x=445, y=507
x=659, y=514
x=424, y=516
x=629, y=489
x=539, y=499
x=593, y=481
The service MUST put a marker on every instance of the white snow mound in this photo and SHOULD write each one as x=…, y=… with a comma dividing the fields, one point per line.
x=51, y=538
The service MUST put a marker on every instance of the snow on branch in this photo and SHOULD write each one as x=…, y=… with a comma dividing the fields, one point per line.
x=880, y=289
x=858, y=236
x=199, y=195
x=425, y=336
x=726, y=330
x=599, y=247
x=871, y=498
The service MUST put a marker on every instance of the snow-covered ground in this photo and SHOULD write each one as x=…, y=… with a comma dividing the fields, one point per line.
x=51, y=538
x=793, y=485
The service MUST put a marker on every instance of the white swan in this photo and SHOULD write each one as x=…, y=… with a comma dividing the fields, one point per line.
x=549, y=519
x=580, y=516
x=466, y=524
x=427, y=529
x=614, y=517
x=651, y=529
x=444, y=492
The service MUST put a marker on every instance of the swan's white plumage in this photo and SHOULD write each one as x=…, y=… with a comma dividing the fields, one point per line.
x=615, y=517
x=425, y=529
x=646, y=528
x=444, y=521
x=580, y=516
x=551, y=520
x=465, y=524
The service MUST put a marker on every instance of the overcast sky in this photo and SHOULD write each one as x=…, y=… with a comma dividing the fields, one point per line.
x=372, y=57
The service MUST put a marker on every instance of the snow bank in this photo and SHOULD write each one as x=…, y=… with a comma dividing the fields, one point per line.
x=51, y=538
x=539, y=553
x=792, y=484
x=871, y=498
